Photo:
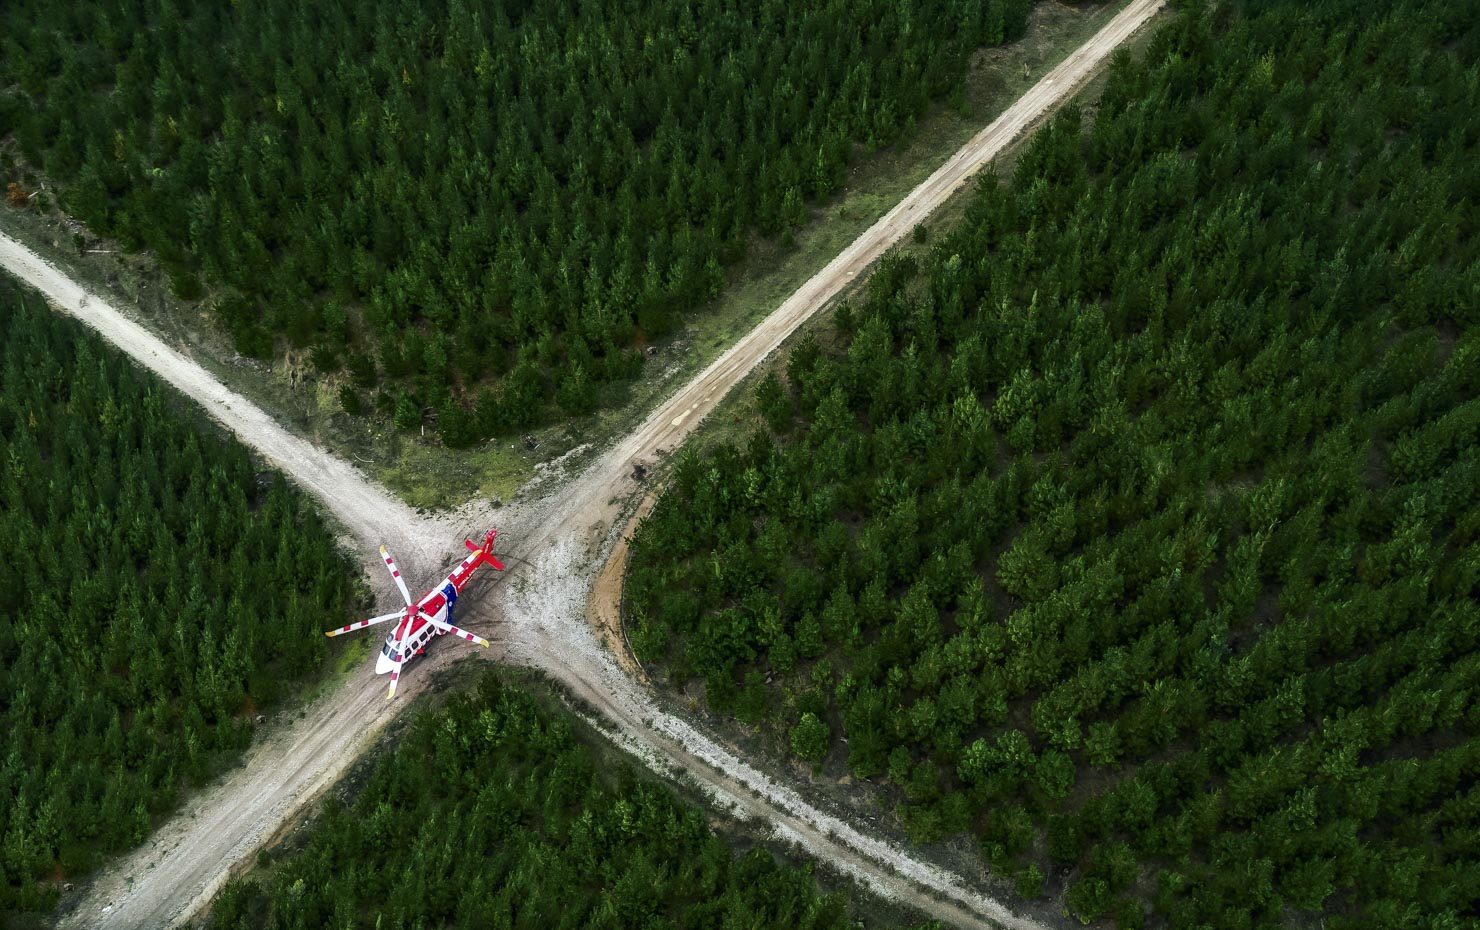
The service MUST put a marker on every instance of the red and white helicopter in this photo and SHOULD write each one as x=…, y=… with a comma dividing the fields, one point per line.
x=431, y=616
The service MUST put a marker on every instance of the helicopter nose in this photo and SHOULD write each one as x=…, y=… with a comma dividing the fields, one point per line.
x=383, y=663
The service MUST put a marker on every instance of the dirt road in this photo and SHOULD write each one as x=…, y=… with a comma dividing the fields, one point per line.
x=555, y=546
x=675, y=419
x=367, y=510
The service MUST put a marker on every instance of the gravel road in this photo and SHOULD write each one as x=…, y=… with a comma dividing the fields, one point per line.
x=537, y=611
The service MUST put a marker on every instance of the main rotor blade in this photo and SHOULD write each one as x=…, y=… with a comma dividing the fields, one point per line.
x=402, y=651
x=364, y=623
x=456, y=630
x=390, y=564
x=395, y=675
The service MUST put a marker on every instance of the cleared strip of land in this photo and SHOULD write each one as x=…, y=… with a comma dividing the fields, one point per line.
x=551, y=544
x=365, y=508
x=667, y=427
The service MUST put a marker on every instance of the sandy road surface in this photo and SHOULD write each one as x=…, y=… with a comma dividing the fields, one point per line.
x=554, y=546
x=226, y=823
x=676, y=418
x=366, y=509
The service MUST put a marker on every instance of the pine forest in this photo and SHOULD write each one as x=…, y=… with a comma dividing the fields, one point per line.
x=493, y=813
x=1132, y=528
x=476, y=215
x=162, y=590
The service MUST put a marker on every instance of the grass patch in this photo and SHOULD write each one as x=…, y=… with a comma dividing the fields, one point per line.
x=351, y=658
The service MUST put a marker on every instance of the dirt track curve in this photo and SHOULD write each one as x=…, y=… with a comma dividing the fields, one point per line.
x=555, y=546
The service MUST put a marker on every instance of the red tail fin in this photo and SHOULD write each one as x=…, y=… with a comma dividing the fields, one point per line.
x=486, y=552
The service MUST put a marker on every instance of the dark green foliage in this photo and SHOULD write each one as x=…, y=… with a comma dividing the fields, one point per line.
x=489, y=814
x=157, y=588
x=489, y=186
x=809, y=738
x=1143, y=516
